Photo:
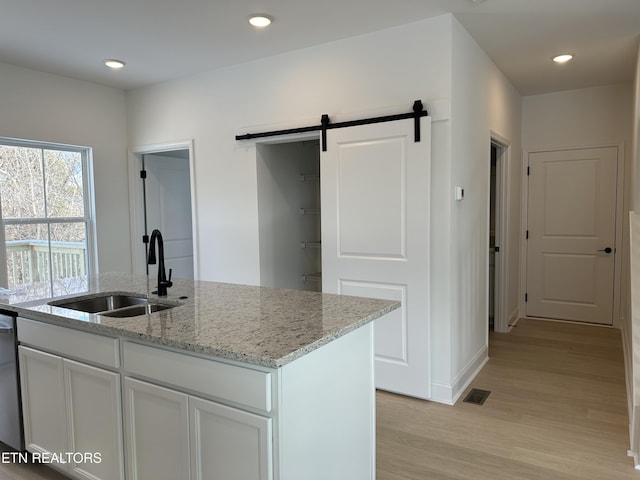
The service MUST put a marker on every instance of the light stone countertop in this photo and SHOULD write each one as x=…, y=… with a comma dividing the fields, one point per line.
x=256, y=325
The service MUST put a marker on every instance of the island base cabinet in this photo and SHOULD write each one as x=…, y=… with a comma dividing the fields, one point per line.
x=43, y=402
x=72, y=411
x=171, y=434
x=157, y=428
x=228, y=443
x=94, y=415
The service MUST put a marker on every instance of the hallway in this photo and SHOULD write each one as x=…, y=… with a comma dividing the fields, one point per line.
x=557, y=411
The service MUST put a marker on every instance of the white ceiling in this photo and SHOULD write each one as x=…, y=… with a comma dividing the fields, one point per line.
x=165, y=39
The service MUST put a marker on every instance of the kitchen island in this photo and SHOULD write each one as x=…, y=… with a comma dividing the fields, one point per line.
x=232, y=382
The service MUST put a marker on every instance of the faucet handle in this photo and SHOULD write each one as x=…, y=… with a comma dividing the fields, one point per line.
x=169, y=282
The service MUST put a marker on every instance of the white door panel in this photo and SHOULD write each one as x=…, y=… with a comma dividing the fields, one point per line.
x=375, y=239
x=168, y=190
x=572, y=212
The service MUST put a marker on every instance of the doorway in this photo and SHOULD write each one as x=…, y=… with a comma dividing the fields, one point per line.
x=498, y=158
x=162, y=197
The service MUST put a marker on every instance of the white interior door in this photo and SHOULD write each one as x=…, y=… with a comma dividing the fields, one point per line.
x=375, y=239
x=168, y=191
x=571, y=227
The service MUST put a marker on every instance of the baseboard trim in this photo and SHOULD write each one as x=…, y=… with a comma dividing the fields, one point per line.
x=513, y=319
x=634, y=430
x=449, y=394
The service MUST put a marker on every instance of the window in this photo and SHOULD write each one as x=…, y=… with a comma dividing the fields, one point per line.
x=46, y=217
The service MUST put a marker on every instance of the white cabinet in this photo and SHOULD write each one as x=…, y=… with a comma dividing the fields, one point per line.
x=72, y=411
x=174, y=435
x=94, y=417
x=157, y=429
x=43, y=401
x=228, y=443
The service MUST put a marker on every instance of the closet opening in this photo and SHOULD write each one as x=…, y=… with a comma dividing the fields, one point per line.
x=289, y=216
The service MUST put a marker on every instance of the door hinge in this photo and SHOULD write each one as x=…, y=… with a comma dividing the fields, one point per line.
x=496, y=249
x=526, y=235
x=143, y=174
x=526, y=297
x=145, y=239
x=528, y=171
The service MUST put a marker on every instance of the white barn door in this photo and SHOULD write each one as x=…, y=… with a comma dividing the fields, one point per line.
x=571, y=225
x=375, y=239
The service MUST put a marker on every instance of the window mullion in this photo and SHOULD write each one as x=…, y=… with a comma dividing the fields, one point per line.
x=36, y=220
x=47, y=223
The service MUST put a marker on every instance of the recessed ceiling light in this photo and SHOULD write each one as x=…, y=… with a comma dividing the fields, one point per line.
x=564, y=58
x=260, y=21
x=114, y=64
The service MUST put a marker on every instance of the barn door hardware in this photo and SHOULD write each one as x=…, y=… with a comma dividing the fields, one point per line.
x=325, y=124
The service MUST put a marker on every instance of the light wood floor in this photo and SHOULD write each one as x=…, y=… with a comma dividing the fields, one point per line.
x=557, y=411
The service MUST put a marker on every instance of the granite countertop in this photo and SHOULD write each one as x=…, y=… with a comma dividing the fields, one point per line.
x=257, y=325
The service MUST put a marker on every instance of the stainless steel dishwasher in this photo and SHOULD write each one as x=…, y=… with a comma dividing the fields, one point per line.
x=11, y=431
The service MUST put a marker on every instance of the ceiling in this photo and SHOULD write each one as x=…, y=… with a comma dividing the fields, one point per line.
x=165, y=39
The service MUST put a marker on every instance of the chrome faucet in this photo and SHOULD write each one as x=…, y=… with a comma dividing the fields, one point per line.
x=163, y=283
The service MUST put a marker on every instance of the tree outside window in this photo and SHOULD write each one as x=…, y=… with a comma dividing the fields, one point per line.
x=45, y=213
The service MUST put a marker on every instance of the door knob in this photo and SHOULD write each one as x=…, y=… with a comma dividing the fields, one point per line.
x=606, y=250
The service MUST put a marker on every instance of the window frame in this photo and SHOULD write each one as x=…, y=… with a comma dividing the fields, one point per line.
x=86, y=155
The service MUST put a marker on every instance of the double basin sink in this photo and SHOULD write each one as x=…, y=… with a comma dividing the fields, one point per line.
x=119, y=305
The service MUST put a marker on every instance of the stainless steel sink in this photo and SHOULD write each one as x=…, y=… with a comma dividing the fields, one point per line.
x=136, y=310
x=101, y=303
x=113, y=304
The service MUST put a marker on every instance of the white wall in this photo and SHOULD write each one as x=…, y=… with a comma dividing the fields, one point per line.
x=631, y=327
x=576, y=118
x=344, y=79
x=482, y=102
x=49, y=108
x=348, y=79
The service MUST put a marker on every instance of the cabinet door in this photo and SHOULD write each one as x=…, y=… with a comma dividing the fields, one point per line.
x=229, y=444
x=43, y=401
x=157, y=429
x=94, y=413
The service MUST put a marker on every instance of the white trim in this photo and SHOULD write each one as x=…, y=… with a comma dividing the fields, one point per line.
x=514, y=316
x=135, y=191
x=524, y=212
x=621, y=217
x=634, y=434
x=449, y=394
x=503, y=160
x=574, y=322
x=627, y=356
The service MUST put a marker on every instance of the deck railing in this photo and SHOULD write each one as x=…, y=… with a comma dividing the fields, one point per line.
x=28, y=261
